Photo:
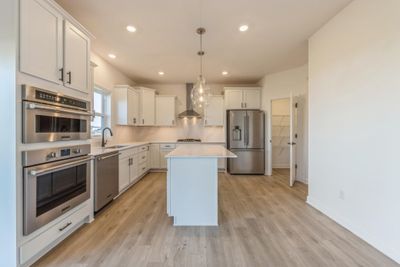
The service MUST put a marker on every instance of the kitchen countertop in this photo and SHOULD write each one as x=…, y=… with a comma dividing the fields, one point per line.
x=96, y=150
x=201, y=151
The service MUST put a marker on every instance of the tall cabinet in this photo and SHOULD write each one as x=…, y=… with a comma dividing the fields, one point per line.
x=52, y=48
x=126, y=100
x=147, y=110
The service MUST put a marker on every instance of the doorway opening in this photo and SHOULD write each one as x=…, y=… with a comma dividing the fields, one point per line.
x=287, y=142
x=280, y=128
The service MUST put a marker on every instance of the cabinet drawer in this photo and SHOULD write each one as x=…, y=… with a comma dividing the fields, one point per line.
x=142, y=168
x=36, y=245
x=143, y=156
x=143, y=148
x=127, y=153
x=167, y=146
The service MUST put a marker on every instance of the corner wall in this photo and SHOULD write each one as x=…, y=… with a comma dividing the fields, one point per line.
x=281, y=85
x=354, y=69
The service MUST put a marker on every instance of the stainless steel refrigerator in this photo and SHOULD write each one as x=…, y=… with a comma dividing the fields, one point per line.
x=246, y=138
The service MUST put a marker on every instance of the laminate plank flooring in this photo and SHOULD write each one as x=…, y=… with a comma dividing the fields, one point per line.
x=263, y=222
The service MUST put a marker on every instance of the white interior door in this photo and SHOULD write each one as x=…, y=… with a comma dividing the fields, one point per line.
x=293, y=138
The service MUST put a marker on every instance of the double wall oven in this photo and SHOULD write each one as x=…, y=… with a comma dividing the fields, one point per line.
x=55, y=179
x=49, y=117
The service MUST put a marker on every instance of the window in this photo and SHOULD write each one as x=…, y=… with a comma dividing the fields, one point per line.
x=101, y=107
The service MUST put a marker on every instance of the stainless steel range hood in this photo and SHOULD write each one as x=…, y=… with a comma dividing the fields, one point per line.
x=189, y=112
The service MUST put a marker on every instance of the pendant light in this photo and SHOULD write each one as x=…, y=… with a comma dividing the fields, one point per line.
x=200, y=92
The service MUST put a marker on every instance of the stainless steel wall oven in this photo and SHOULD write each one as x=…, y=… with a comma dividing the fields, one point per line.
x=55, y=180
x=49, y=117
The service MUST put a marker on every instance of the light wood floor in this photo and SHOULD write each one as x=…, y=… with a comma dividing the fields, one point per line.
x=263, y=222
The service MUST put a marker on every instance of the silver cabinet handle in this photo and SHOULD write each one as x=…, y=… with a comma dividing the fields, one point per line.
x=65, y=226
x=74, y=163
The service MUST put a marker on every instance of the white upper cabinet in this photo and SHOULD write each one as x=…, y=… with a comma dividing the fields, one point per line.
x=76, y=58
x=214, y=111
x=252, y=98
x=126, y=100
x=165, y=110
x=234, y=99
x=51, y=47
x=147, y=106
x=41, y=45
x=242, y=98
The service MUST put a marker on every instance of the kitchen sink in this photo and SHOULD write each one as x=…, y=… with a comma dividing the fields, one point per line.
x=115, y=147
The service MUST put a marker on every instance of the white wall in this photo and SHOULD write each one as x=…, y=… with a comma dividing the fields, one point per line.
x=8, y=56
x=281, y=85
x=106, y=77
x=354, y=69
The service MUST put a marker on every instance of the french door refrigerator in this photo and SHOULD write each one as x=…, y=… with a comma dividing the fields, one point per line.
x=246, y=138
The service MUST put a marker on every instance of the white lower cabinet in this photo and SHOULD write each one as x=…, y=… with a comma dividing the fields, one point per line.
x=164, y=150
x=133, y=164
x=154, y=156
x=124, y=172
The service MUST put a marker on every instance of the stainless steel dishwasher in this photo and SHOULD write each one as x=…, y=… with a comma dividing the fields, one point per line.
x=105, y=179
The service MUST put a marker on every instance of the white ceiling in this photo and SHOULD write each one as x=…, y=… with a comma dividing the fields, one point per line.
x=166, y=39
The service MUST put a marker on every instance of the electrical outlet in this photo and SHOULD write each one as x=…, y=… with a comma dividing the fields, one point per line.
x=341, y=194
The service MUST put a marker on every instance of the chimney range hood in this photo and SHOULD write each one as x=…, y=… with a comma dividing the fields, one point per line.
x=189, y=112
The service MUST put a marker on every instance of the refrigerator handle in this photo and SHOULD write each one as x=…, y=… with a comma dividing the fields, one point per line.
x=246, y=130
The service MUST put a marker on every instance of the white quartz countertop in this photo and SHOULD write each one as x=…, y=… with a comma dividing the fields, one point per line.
x=200, y=151
x=95, y=151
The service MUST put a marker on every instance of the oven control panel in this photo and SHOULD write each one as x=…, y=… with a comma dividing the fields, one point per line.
x=34, y=157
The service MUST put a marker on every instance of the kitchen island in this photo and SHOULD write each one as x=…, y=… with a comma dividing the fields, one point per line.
x=192, y=184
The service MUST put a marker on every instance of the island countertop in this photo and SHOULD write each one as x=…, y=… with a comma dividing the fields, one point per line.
x=200, y=151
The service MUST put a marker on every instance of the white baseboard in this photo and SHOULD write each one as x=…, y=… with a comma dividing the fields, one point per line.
x=358, y=230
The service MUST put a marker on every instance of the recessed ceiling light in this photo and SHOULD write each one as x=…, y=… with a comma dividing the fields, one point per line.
x=243, y=28
x=161, y=73
x=224, y=73
x=112, y=56
x=130, y=28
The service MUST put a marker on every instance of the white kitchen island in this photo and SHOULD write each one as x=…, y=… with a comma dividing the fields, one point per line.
x=192, y=184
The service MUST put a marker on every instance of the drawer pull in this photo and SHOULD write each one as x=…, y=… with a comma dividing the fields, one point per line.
x=143, y=157
x=143, y=168
x=65, y=226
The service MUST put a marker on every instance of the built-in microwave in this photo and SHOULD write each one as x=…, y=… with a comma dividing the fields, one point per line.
x=49, y=116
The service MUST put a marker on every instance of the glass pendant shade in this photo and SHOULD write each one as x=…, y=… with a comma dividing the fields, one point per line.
x=200, y=94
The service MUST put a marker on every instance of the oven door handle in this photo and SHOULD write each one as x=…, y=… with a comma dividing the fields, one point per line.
x=57, y=109
x=65, y=165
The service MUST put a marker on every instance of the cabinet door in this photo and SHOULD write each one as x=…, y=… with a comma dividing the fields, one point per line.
x=163, y=160
x=76, y=58
x=155, y=156
x=234, y=99
x=147, y=109
x=124, y=174
x=214, y=112
x=252, y=98
x=133, y=107
x=41, y=45
x=134, y=172
x=165, y=110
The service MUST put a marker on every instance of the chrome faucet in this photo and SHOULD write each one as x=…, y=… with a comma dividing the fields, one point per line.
x=103, y=141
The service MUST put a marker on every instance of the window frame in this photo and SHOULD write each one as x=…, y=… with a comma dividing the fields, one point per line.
x=105, y=115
